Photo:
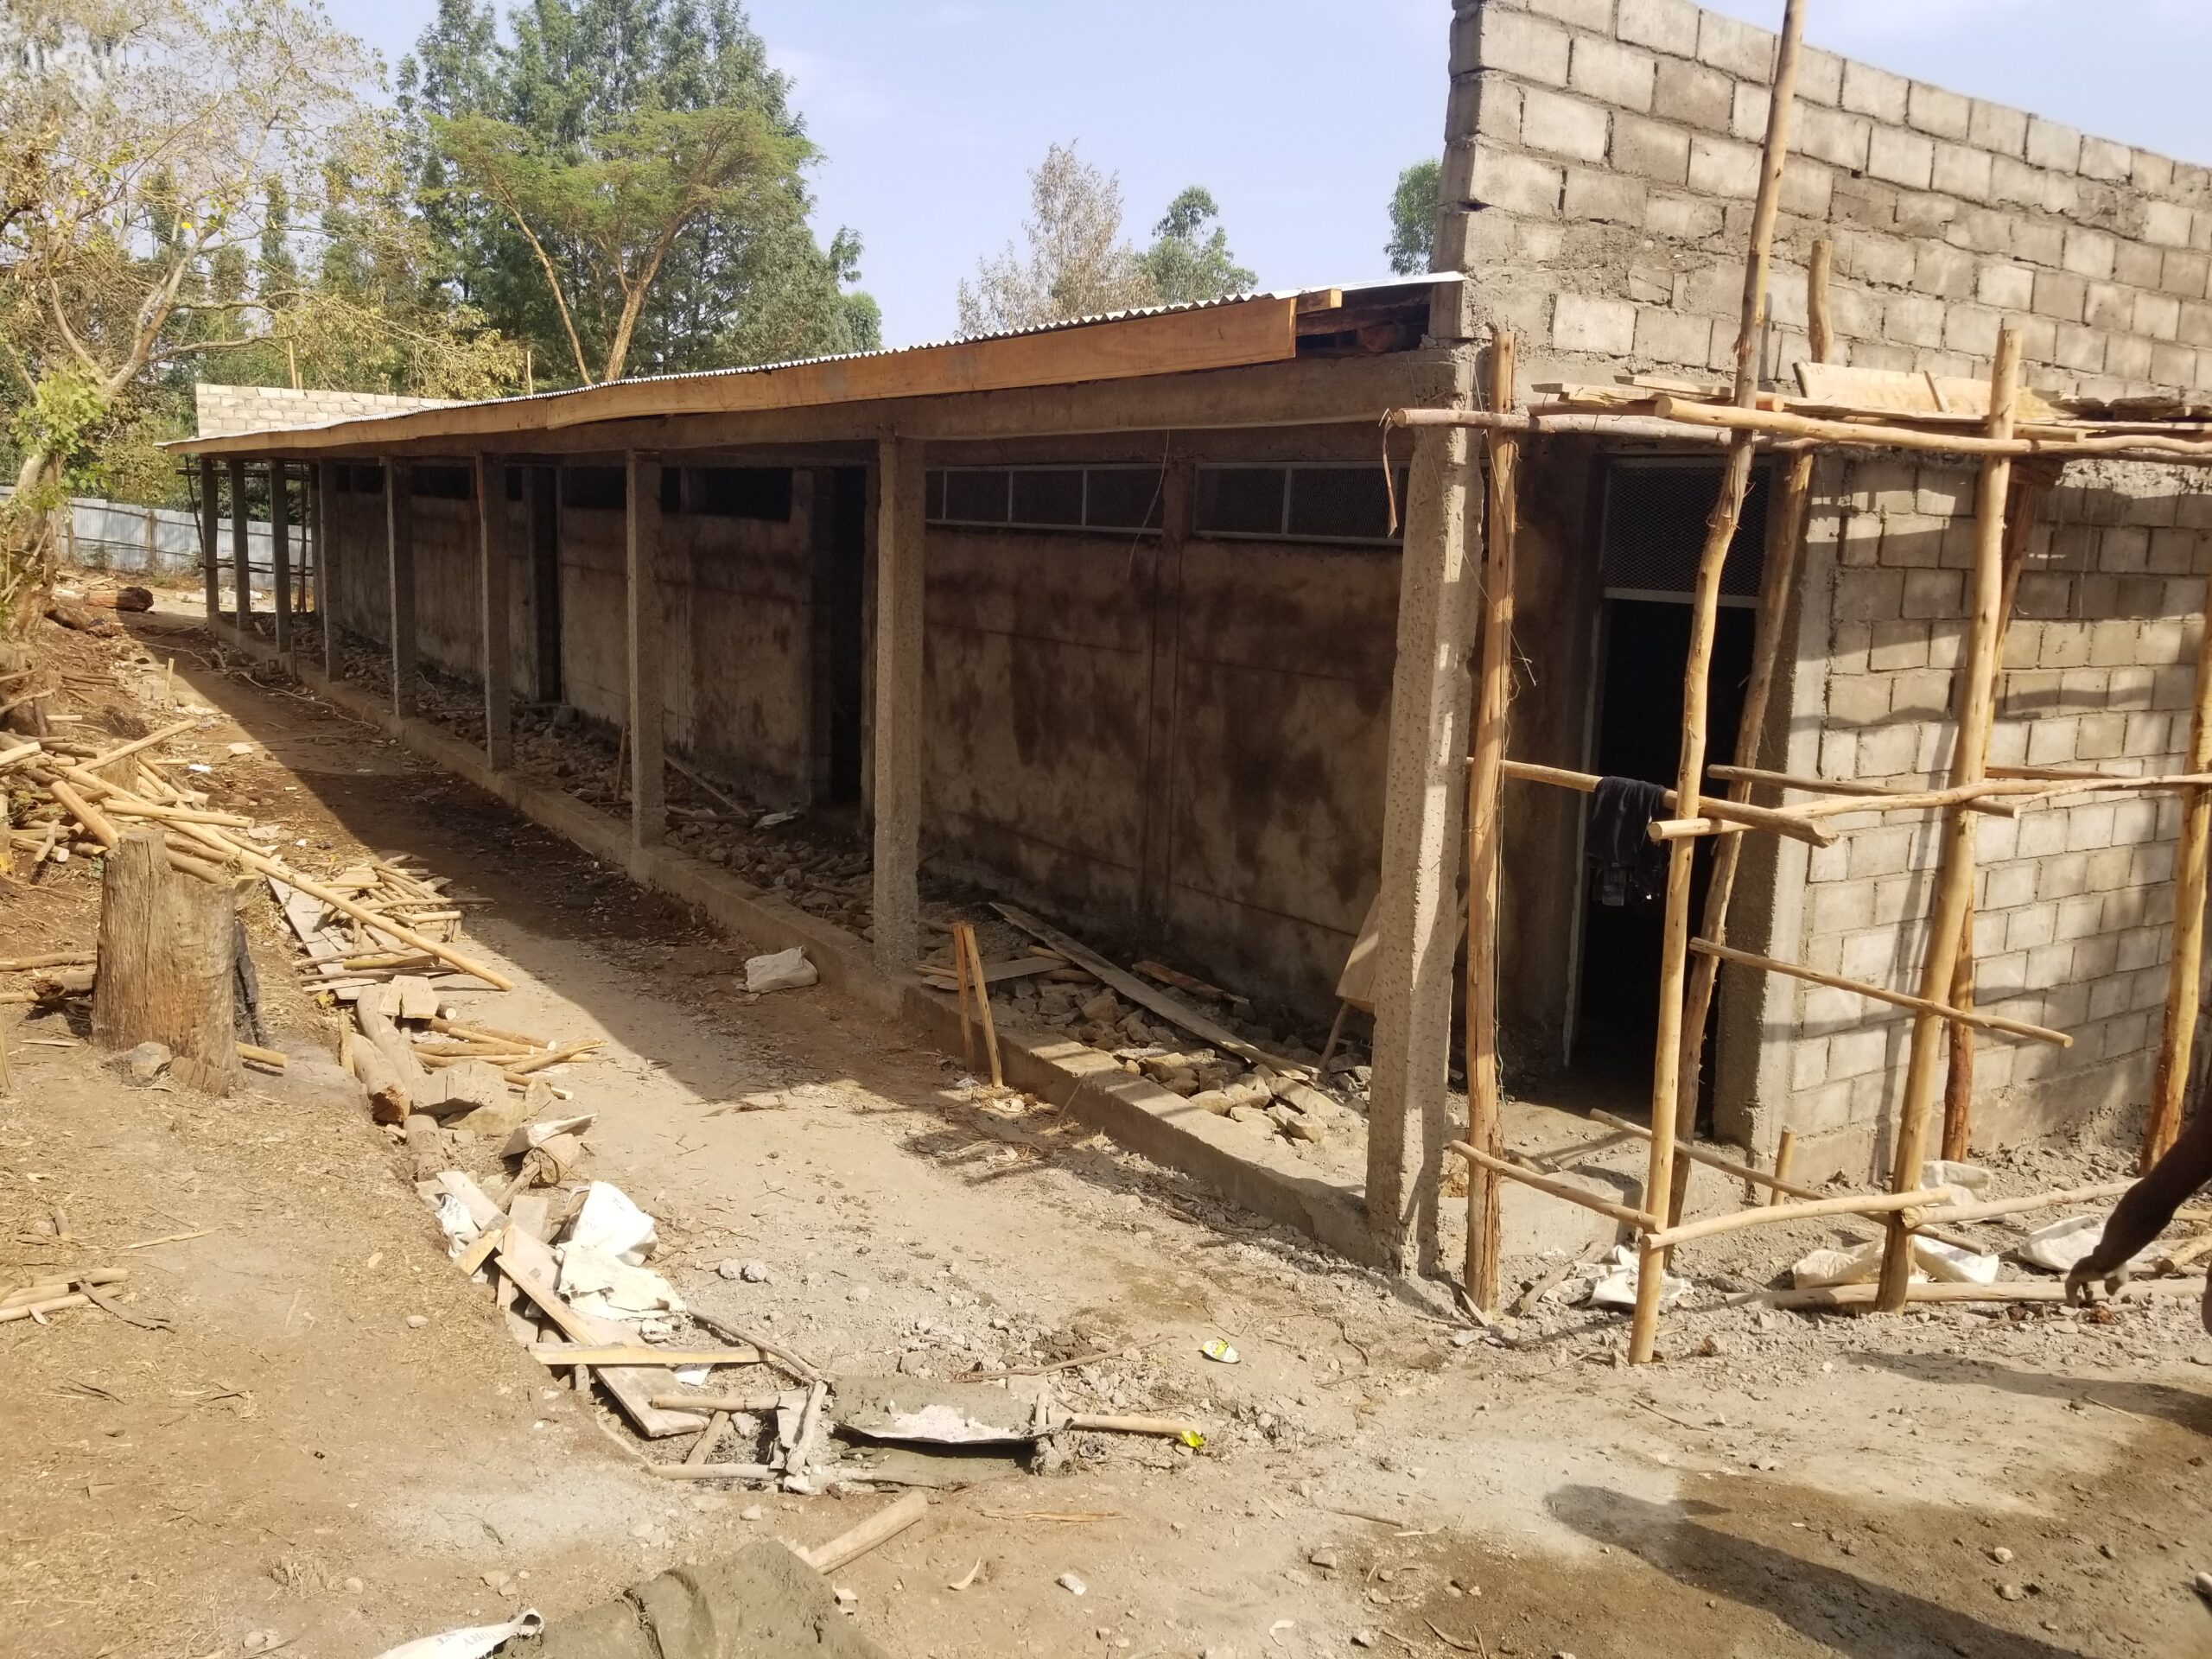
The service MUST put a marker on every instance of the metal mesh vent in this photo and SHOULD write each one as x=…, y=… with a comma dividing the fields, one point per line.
x=1654, y=527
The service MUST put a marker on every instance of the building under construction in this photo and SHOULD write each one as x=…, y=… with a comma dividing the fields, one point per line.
x=1173, y=625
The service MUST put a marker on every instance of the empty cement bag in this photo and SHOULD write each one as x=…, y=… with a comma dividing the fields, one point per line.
x=762, y=1602
x=470, y=1641
x=780, y=970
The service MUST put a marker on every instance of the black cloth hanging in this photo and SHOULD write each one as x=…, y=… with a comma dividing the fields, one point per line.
x=1626, y=866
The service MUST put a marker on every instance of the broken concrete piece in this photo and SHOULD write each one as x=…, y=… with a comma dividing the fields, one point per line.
x=780, y=971
x=409, y=996
x=763, y=1600
x=463, y=1088
x=144, y=1063
x=537, y=1131
x=944, y=1413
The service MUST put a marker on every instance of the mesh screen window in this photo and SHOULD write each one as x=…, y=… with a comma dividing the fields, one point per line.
x=1654, y=529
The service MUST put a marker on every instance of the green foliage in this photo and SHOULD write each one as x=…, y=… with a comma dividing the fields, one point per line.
x=1413, y=219
x=621, y=185
x=1180, y=267
x=1076, y=264
x=62, y=419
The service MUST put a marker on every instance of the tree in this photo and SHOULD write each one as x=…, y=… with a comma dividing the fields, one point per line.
x=147, y=186
x=622, y=186
x=601, y=226
x=1076, y=265
x=1412, y=245
x=1181, y=268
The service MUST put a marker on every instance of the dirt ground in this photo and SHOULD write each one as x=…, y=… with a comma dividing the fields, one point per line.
x=294, y=1465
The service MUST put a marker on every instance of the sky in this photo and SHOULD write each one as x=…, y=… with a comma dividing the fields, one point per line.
x=1297, y=115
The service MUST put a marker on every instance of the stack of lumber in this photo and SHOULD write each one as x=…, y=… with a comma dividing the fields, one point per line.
x=413, y=1059
x=83, y=797
x=374, y=922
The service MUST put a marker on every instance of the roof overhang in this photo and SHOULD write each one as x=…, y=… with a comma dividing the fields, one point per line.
x=1242, y=333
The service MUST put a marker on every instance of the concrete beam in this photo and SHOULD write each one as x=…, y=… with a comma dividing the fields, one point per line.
x=241, y=575
x=648, y=653
x=494, y=539
x=399, y=586
x=280, y=551
x=1424, y=809
x=897, y=729
x=211, y=538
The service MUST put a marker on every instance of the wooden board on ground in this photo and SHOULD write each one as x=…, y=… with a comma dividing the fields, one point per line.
x=528, y=1261
x=1356, y=985
x=941, y=975
x=1128, y=986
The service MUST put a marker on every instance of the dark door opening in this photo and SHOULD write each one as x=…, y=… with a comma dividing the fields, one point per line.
x=544, y=519
x=840, y=559
x=1646, y=649
x=1639, y=734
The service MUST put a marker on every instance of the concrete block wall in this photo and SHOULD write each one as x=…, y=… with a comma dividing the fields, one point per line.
x=223, y=411
x=1602, y=158
x=2073, y=900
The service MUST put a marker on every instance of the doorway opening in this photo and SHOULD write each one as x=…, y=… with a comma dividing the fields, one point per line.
x=841, y=562
x=1653, y=528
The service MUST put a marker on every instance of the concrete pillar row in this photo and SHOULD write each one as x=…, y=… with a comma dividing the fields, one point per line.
x=648, y=652
x=896, y=797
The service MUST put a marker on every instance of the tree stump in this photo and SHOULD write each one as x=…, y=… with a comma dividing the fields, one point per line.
x=25, y=719
x=166, y=965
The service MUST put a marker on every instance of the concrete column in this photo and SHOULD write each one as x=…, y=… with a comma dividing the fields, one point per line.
x=494, y=538
x=648, y=653
x=1423, y=813
x=280, y=551
x=399, y=590
x=211, y=537
x=241, y=577
x=326, y=590
x=901, y=500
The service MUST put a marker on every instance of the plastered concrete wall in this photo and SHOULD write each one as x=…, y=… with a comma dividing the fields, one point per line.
x=2074, y=899
x=1283, y=663
x=1602, y=158
x=738, y=647
x=1181, y=743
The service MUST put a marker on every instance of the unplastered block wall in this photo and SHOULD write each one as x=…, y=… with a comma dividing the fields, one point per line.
x=1603, y=156
x=222, y=411
x=2075, y=898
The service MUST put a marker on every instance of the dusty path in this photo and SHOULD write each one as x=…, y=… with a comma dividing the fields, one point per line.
x=294, y=1457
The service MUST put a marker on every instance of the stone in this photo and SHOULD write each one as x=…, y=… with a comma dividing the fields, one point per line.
x=1101, y=1008
x=416, y=1321
x=1211, y=1100
x=144, y=1063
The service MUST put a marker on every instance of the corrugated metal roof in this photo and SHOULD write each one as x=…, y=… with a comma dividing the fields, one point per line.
x=642, y=385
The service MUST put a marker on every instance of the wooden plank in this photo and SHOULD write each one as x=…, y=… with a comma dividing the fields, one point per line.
x=530, y=1264
x=1149, y=996
x=1839, y=387
x=993, y=972
x=1976, y=702
x=1486, y=835
x=622, y=1353
x=1240, y=333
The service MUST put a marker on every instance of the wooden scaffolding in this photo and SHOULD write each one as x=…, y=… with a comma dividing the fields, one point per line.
x=2022, y=445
